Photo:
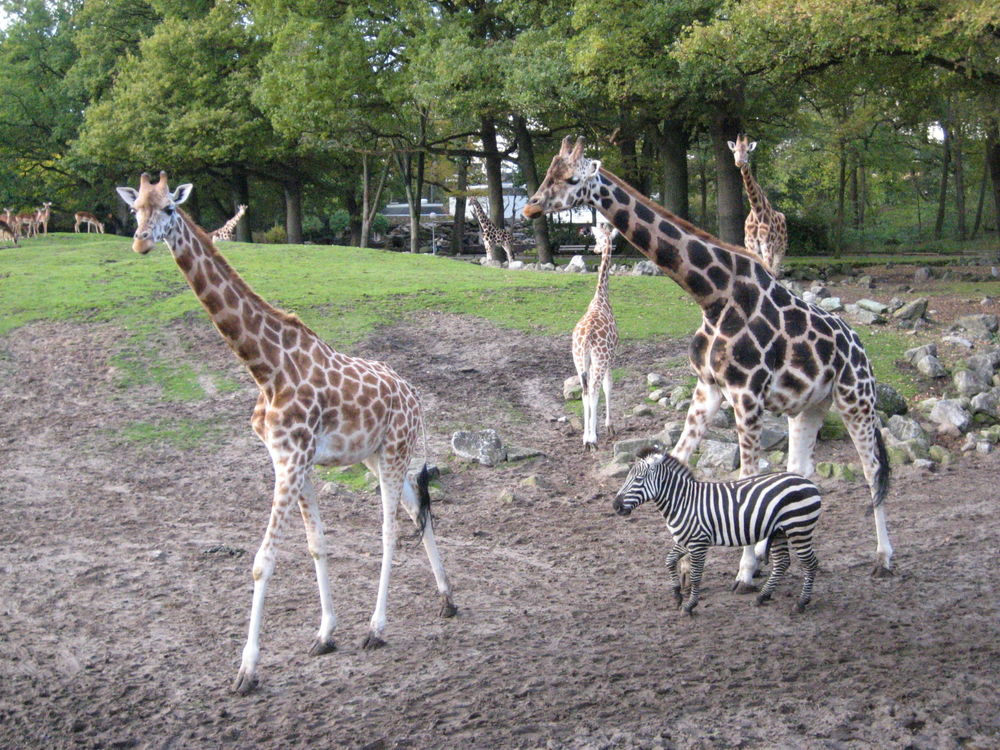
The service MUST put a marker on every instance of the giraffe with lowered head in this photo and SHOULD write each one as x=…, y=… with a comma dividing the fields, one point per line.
x=492, y=235
x=595, y=339
x=764, y=231
x=757, y=344
x=316, y=406
x=227, y=231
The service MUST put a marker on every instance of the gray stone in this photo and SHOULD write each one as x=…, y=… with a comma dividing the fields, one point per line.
x=866, y=282
x=808, y=296
x=903, y=428
x=923, y=275
x=483, y=446
x=887, y=399
x=655, y=380
x=547, y=267
x=872, y=306
x=643, y=410
x=895, y=304
x=516, y=265
x=680, y=393
x=912, y=355
x=957, y=341
x=911, y=310
x=861, y=316
x=646, y=268
x=981, y=326
x=490, y=263
x=723, y=418
x=819, y=290
x=719, y=455
x=985, y=403
x=950, y=417
x=984, y=446
x=931, y=367
x=520, y=453
x=831, y=304
x=969, y=383
x=670, y=433
x=985, y=365
x=576, y=265
x=617, y=468
x=793, y=286
x=572, y=388
x=656, y=395
x=626, y=450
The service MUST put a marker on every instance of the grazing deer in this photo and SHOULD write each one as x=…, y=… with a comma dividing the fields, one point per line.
x=85, y=217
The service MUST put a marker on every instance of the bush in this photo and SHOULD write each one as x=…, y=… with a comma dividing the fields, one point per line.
x=808, y=235
x=275, y=235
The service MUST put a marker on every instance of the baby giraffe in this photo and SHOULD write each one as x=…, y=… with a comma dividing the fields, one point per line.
x=595, y=339
x=316, y=406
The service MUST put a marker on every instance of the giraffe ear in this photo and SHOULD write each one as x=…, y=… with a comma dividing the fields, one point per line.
x=128, y=195
x=594, y=167
x=182, y=193
x=732, y=145
x=752, y=146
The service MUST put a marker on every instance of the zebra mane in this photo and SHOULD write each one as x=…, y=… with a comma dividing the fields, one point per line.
x=673, y=465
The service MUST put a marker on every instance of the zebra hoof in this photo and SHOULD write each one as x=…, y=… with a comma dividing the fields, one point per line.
x=744, y=588
x=800, y=606
x=372, y=642
x=678, y=599
x=321, y=647
x=881, y=571
x=689, y=609
x=762, y=599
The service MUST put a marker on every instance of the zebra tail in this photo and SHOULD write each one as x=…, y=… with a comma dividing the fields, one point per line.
x=880, y=483
x=424, y=498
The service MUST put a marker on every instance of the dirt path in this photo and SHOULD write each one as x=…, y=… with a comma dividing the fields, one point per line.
x=125, y=581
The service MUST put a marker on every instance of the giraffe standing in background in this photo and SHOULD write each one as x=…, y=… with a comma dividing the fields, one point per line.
x=764, y=231
x=42, y=216
x=595, y=339
x=226, y=232
x=757, y=344
x=492, y=236
x=316, y=406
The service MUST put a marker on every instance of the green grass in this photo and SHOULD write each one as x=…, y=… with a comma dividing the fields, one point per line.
x=355, y=477
x=183, y=434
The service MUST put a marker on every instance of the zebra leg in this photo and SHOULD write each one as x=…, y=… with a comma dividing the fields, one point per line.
x=696, y=554
x=675, y=585
x=780, y=561
x=807, y=559
x=748, y=409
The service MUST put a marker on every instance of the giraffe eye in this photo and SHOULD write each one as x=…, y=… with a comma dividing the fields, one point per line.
x=169, y=210
x=573, y=180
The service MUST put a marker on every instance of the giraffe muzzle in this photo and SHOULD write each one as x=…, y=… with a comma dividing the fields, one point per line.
x=532, y=211
x=142, y=245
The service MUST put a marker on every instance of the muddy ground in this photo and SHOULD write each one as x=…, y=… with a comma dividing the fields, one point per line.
x=125, y=579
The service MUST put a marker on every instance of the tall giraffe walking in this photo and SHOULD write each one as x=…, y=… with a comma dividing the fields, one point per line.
x=493, y=236
x=757, y=344
x=316, y=406
x=764, y=231
x=595, y=339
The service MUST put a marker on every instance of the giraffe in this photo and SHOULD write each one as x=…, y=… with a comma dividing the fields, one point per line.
x=764, y=231
x=316, y=406
x=227, y=230
x=491, y=235
x=595, y=339
x=757, y=344
x=42, y=216
x=85, y=217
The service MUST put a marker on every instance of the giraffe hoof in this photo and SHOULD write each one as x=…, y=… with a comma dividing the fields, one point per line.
x=321, y=647
x=744, y=588
x=372, y=642
x=590, y=447
x=448, y=608
x=245, y=684
x=881, y=571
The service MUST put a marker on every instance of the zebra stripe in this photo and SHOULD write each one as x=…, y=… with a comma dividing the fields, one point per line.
x=782, y=508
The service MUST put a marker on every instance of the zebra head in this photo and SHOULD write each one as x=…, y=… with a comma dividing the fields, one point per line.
x=645, y=480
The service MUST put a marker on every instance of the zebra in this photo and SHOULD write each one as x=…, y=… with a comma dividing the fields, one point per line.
x=781, y=509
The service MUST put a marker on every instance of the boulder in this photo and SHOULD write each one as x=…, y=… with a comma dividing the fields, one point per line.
x=981, y=326
x=617, y=468
x=950, y=417
x=872, y=306
x=985, y=365
x=931, y=367
x=861, y=316
x=957, y=341
x=866, y=282
x=887, y=399
x=646, y=268
x=643, y=410
x=576, y=265
x=985, y=403
x=680, y=393
x=911, y=310
x=626, y=450
x=572, y=389
x=912, y=355
x=656, y=395
x=969, y=383
x=820, y=291
x=483, y=446
x=901, y=429
x=716, y=455
x=923, y=275
x=516, y=265
x=655, y=380
x=831, y=304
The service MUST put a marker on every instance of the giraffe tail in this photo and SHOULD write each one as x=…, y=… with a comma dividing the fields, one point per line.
x=424, y=498
x=880, y=483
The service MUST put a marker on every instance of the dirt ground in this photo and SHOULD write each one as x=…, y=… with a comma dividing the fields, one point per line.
x=125, y=579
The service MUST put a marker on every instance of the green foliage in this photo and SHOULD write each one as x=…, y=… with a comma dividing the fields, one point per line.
x=356, y=478
x=182, y=434
x=275, y=235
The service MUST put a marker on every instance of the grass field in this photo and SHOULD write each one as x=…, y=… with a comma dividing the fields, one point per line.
x=342, y=293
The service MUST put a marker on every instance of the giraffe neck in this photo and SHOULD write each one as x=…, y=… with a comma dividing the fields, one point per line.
x=602, y=277
x=702, y=265
x=258, y=333
x=758, y=201
x=481, y=216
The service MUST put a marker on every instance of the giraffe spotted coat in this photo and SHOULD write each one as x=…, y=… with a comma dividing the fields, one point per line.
x=492, y=235
x=764, y=232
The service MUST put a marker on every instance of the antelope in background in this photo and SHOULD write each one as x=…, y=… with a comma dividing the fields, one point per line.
x=85, y=217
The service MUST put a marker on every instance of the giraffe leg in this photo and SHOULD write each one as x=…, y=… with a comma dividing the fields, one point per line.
x=287, y=486
x=749, y=412
x=592, y=399
x=863, y=429
x=509, y=249
x=391, y=486
x=309, y=509
x=802, y=431
x=705, y=403
x=412, y=505
x=610, y=431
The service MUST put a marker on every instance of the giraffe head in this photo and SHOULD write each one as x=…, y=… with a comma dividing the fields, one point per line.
x=568, y=183
x=741, y=149
x=155, y=209
x=604, y=233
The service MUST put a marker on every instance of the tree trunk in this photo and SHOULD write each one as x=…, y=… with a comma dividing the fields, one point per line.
x=461, y=187
x=956, y=152
x=370, y=199
x=241, y=196
x=494, y=180
x=674, y=141
x=982, y=200
x=529, y=170
x=418, y=203
x=703, y=174
x=293, y=210
x=943, y=190
x=354, y=217
x=841, y=190
x=630, y=161
x=855, y=198
x=993, y=163
x=729, y=182
x=649, y=144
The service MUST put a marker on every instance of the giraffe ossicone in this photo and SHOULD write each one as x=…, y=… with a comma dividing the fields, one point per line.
x=758, y=345
x=316, y=406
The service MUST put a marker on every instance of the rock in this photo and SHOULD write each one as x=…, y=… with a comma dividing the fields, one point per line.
x=657, y=394
x=825, y=469
x=992, y=433
x=845, y=472
x=872, y=306
x=483, y=446
x=887, y=399
x=642, y=410
x=157, y=555
x=617, y=468
x=547, y=267
x=680, y=393
x=924, y=464
x=866, y=282
x=820, y=291
x=969, y=383
x=572, y=389
x=897, y=456
x=861, y=316
x=985, y=365
x=911, y=310
x=941, y=455
x=808, y=296
x=719, y=455
x=655, y=380
x=576, y=265
x=723, y=418
x=626, y=450
x=951, y=417
x=670, y=433
x=903, y=428
x=520, y=453
x=793, y=286
x=981, y=326
x=957, y=341
x=646, y=268
x=516, y=265
x=833, y=427
x=923, y=275
x=931, y=367
x=984, y=446
x=774, y=436
x=489, y=262
x=912, y=355
x=895, y=304
x=509, y=497
x=831, y=304
x=777, y=458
